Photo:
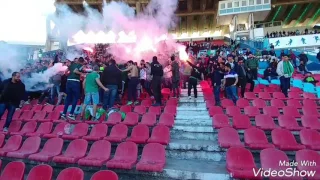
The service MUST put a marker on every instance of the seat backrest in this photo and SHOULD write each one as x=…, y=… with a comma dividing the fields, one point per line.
x=264, y=95
x=59, y=108
x=2, y=140
x=59, y=128
x=80, y=129
x=233, y=110
x=27, y=115
x=55, y=115
x=310, y=110
x=243, y=103
x=140, y=130
x=309, y=95
x=290, y=110
x=156, y=109
x=13, y=142
x=153, y=152
x=309, y=136
x=71, y=173
x=161, y=131
x=40, y=172
x=140, y=109
x=259, y=103
x=16, y=114
x=149, y=117
x=172, y=102
x=278, y=95
x=309, y=120
x=45, y=128
x=77, y=147
x=256, y=135
x=282, y=135
x=116, y=116
x=166, y=116
x=48, y=108
x=119, y=129
x=170, y=109
x=99, y=130
x=249, y=95
x=309, y=103
x=13, y=170
x=277, y=103
x=37, y=107
x=228, y=132
x=26, y=107
x=96, y=149
x=271, y=157
x=293, y=102
x=15, y=126
x=127, y=150
x=146, y=103
x=287, y=120
x=227, y=102
x=271, y=109
x=307, y=155
x=39, y=115
x=31, y=144
x=132, y=117
x=125, y=109
x=216, y=110
x=251, y=109
x=53, y=146
x=239, y=156
x=104, y=175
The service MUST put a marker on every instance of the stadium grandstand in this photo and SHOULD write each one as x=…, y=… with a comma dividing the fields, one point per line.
x=162, y=90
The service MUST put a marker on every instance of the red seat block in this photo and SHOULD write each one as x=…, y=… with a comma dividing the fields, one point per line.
x=131, y=119
x=160, y=134
x=228, y=137
x=291, y=111
x=118, y=133
x=59, y=108
x=15, y=126
x=149, y=119
x=277, y=103
x=114, y=118
x=289, y=122
x=265, y=122
x=16, y=115
x=30, y=146
x=241, y=103
x=76, y=150
x=44, y=128
x=146, y=103
x=52, y=116
x=37, y=108
x=166, y=119
x=240, y=163
x=294, y=102
x=104, y=174
x=80, y=129
x=48, y=108
x=309, y=156
x=29, y=127
x=71, y=173
x=294, y=95
x=279, y=95
x=241, y=122
x=153, y=158
x=53, y=147
x=251, y=111
x=170, y=110
x=215, y=110
x=98, y=132
x=310, y=111
x=172, y=102
x=37, y=116
x=26, y=116
x=99, y=154
x=12, y=144
x=220, y=121
x=139, y=134
x=271, y=111
x=309, y=95
x=13, y=171
x=233, y=111
x=155, y=110
x=309, y=103
x=40, y=172
x=125, y=109
x=265, y=95
x=256, y=139
x=310, y=138
x=250, y=95
x=125, y=157
x=26, y=107
x=259, y=103
x=58, y=130
x=310, y=122
x=284, y=140
x=141, y=110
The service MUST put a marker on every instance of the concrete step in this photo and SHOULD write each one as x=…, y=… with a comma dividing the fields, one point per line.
x=192, y=113
x=193, y=122
x=177, y=134
x=192, y=104
x=195, y=129
x=193, y=145
x=199, y=89
x=192, y=100
x=196, y=155
x=191, y=116
x=200, y=94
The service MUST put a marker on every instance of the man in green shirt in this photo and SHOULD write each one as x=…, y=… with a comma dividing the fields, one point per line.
x=91, y=86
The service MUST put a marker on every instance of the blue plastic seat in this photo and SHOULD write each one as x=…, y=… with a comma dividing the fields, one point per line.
x=263, y=81
x=297, y=83
x=275, y=81
x=308, y=87
x=318, y=88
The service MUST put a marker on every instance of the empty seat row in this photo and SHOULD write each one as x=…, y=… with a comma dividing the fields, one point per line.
x=170, y=109
x=170, y=102
x=279, y=95
x=16, y=170
x=241, y=165
x=38, y=108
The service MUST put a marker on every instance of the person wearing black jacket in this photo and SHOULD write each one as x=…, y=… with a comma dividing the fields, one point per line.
x=111, y=79
x=156, y=73
x=12, y=92
x=196, y=74
x=244, y=77
x=217, y=76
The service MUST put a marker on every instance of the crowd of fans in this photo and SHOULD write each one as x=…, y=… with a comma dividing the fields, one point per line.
x=276, y=34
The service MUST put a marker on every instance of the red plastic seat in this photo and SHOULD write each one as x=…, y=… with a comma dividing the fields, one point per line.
x=240, y=163
x=76, y=150
x=15, y=126
x=310, y=138
x=4, y=116
x=26, y=116
x=52, y=116
x=139, y=134
x=291, y=111
x=170, y=110
x=241, y=122
x=264, y=95
x=251, y=111
x=37, y=108
x=294, y=102
x=269, y=90
x=44, y=128
x=289, y=122
x=141, y=110
x=279, y=95
x=118, y=133
x=215, y=110
x=2, y=140
x=153, y=158
x=210, y=103
x=241, y=103
x=80, y=129
x=16, y=115
x=12, y=144
x=59, y=108
x=40, y=172
x=310, y=122
x=37, y=116
x=233, y=111
x=30, y=146
x=53, y=147
x=99, y=154
x=294, y=95
x=166, y=119
x=125, y=157
x=256, y=139
x=271, y=111
x=71, y=173
x=146, y=103
x=172, y=102
x=309, y=103
x=26, y=107
x=99, y=131
x=228, y=137
x=149, y=119
x=160, y=134
x=250, y=95
x=48, y=108
x=155, y=110
x=226, y=103
x=259, y=103
x=220, y=121
x=104, y=174
x=310, y=111
x=309, y=95
x=114, y=118
x=125, y=109
x=29, y=127
x=309, y=156
x=277, y=103
x=284, y=140
x=58, y=131
x=131, y=119
x=13, y=171
x=265, y=122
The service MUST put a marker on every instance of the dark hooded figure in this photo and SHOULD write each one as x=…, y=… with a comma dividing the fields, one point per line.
x=157, y=73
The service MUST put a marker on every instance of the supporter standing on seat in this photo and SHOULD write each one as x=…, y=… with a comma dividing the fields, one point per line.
x=230, y=83
x=252, y=65
x=73, y=88
x=217, y=73
x=12, y=93
x=157, y=74
x=147, y=83
x=111, y=79
x=133, y=82
x=175, y=77
x=285, y=71
x=244, y=77
x=196, y=74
